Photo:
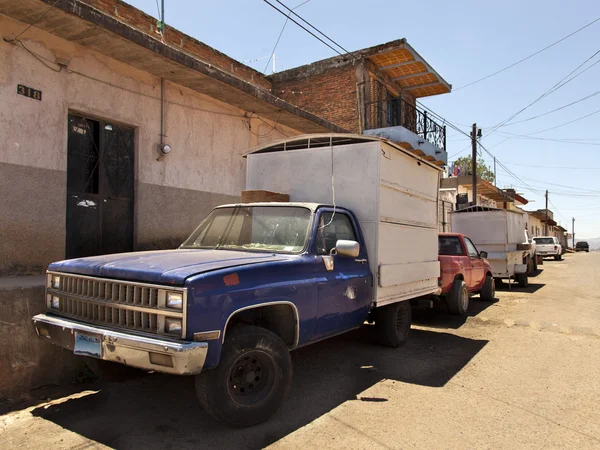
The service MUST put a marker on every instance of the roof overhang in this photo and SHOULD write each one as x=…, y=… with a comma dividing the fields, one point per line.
x=80, y=23
x=403, y=65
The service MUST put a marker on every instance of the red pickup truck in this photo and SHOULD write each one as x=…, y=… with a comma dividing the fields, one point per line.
x=464, y=271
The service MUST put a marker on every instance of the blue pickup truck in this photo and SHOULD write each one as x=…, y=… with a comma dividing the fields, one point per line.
x=252, y=282
x=256, y=280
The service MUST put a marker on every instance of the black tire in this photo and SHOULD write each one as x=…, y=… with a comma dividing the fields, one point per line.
x=458, y=298
x=488, y=292
x=522, y=279
x=111, y=371
x=557, y=257
x=535, y=264
x=392, y=323
x=229, y=395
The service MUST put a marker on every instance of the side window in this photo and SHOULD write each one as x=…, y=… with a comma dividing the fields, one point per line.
x=473, y=253
x=330, y=231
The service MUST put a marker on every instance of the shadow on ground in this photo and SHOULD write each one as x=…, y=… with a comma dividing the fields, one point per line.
x=440, y=318
x=533, y=287
x=160, y=411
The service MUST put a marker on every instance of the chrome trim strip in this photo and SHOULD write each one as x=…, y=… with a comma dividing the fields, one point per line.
x=297, y=325
x=116, y=280
x=188, y=357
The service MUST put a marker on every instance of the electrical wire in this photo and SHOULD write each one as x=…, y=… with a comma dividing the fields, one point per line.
x=565, y=80
x=554, y=110
x=553, y=167
x=35, y=22
x=528, y=57
x=281, y=34
x=316, y=29
x=303, y=27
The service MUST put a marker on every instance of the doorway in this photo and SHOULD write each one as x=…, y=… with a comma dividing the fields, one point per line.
x=100, y=183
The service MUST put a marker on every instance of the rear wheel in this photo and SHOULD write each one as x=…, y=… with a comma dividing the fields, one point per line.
x=557, y=257
x=458, y=298
x=392, y=323
x=253, y=377
x=488, y=293
x=522, y=279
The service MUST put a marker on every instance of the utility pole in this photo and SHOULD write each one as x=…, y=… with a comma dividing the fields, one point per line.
x=573, y=231
x=546, y=222
x=495, y=171
x=474, y=162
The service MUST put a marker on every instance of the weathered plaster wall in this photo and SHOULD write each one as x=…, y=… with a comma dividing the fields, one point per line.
x=207, y=137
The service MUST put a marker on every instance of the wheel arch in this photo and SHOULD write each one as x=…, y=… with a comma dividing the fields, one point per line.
x=275, y=316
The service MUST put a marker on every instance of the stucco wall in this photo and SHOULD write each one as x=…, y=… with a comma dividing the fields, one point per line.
x=204, y=169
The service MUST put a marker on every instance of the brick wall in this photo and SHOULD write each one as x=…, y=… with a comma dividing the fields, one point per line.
x=147, y=24
x=330, y=94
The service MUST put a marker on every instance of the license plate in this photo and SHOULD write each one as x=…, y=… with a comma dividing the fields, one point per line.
x=87, y=345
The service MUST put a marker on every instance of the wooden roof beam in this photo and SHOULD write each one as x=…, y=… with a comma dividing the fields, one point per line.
x=433, y=83
x=393, y=66
x=418, y=74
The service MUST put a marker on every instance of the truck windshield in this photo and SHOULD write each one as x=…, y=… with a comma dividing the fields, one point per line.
x=544, y=240
x=281, y=229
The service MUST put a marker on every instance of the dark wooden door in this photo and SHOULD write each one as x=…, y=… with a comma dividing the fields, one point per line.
x=100, y=177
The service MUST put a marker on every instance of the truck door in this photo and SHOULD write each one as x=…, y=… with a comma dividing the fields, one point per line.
x=344, y=293
x=477, y=268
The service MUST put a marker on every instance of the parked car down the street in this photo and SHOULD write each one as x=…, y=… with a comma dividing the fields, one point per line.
x=582, y=246
x=464, y=271
x=548, y=246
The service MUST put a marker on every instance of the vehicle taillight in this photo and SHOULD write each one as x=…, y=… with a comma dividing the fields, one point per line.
x=555, y=247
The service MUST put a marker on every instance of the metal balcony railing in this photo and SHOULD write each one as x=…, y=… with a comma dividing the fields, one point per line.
x=392, y=112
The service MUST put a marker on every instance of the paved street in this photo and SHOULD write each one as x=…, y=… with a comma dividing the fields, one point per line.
x=521, y=372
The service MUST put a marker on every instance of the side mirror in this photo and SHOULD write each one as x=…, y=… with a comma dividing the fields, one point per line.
x=483, y=255
x=347, y=249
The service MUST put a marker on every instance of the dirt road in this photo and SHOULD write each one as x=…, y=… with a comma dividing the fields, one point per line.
x=519, y=372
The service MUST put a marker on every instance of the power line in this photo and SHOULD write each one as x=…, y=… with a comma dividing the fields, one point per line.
x=523, y=136
x=553, y=89
x=554, y=167
x=561, y=125
x=528, y=57
x=281, y=34
x=315, y=28
x=554, y=110
x=303, y=27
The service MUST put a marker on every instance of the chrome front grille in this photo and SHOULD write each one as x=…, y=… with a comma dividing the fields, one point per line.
x=120, y=304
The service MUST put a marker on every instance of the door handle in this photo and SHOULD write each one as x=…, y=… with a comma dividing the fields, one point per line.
x=362, y=261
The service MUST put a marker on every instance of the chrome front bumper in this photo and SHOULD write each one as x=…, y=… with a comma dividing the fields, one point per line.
x=179, y=358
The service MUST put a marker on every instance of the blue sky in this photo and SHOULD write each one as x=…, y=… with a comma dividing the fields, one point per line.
x=463, y=41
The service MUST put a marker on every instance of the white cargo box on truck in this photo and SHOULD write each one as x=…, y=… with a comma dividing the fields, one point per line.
x=500, y=233
x=392, y=192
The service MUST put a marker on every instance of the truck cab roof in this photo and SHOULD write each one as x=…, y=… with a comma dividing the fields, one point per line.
x=312, y=206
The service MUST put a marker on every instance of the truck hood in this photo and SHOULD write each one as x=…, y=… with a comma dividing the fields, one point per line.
x=161, y=267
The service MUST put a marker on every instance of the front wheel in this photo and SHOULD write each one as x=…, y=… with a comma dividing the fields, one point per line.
x=392, y=323
x=488, y=292
x=253, y=377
